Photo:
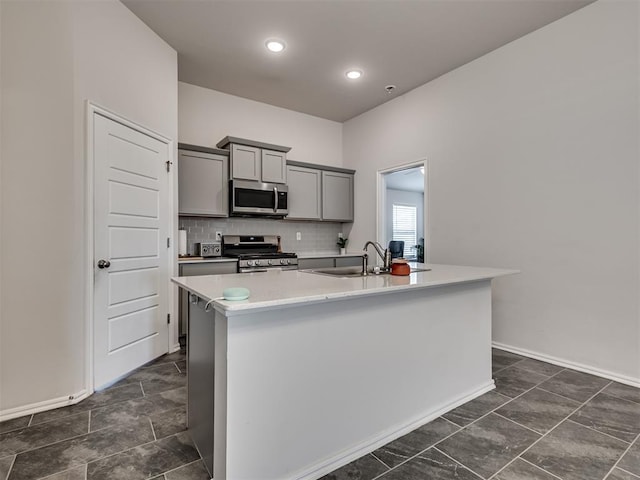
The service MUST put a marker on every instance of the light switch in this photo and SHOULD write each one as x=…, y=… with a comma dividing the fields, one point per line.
x=298, y=236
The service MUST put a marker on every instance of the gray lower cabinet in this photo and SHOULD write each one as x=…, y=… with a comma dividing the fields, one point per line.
x=348, y=261
x=195, y=269
x=305, y=193
x=337, y=196
x=329, y=262
x=203, y=188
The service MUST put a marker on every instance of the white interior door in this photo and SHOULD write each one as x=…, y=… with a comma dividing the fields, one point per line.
x=131, y=227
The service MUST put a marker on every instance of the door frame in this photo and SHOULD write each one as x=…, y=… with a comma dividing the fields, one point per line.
x=381, y=189
x=91, y=110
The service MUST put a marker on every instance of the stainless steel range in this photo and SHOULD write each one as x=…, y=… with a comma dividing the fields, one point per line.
x=258, y=253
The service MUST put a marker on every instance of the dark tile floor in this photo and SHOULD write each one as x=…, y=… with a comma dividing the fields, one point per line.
x=135, y=429
x=542, y=422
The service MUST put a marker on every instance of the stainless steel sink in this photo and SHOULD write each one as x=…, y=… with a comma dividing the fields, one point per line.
x=350, y=272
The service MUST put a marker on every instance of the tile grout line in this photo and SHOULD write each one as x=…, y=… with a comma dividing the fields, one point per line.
x=89, y=429
x=451, y=421
x=374, y=456
x=67, y=439
x=175, y=364
x=567, y=398
x=142, y=388
x=86, y=471
x=625, y=471
x=603, y=433
x=460, y=428
x=622, y=456
x=556, y=426
x=152, y=429
x=11, y=466
x=181, y=466
x=541, y=469
x=130, y=448
x=558, y=395
x=622, y=398
x=53, y=443
x=419, y=453
x=29, y=424
x=518, y=424
x=458, y=462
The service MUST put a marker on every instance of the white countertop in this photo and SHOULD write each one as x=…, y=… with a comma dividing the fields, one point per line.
x=277, y=289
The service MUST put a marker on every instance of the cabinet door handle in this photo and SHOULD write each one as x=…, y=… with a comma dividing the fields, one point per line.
x=104, y=263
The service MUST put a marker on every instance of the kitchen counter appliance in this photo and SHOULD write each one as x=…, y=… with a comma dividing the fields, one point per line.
x=208, y=249
x=258, y=253
x=249, y=199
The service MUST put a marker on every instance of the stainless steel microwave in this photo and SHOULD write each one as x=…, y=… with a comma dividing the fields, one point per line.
x=257, y=198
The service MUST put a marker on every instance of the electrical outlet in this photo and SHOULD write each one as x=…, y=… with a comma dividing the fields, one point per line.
x=298, y=236
x=340, y=235
x=219, y=236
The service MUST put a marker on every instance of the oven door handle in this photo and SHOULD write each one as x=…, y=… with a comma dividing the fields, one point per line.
x=275, y=194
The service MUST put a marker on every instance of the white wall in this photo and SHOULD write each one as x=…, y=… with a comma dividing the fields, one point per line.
x=206, y=116
x=56, y=55
x=533, y=164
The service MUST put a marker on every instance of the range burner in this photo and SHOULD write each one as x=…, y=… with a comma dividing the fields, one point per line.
x=257, y=253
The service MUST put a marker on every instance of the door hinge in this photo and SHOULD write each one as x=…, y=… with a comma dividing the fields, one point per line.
x=169, y=163
x=168, y=242
x=168, y=318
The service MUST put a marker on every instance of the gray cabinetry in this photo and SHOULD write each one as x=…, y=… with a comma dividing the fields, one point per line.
x=274, y=166
x=320, y=192
x=246, y=163
x=202, y=184
x=329, y=262
x=348, y=261
x=337, y=196
x=305, y=193
x=258, y=161
x=195, y=269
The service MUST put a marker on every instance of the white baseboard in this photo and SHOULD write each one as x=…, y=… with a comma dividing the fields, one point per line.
x=373, y=443
x=175, y=348
x=38, y=407
x=634, y=382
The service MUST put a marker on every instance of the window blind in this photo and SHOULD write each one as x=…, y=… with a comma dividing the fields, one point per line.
x=405, y=225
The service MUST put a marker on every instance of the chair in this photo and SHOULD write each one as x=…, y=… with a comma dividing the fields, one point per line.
x=396, y=247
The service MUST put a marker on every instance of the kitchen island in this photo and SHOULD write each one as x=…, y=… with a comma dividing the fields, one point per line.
x=313, y=371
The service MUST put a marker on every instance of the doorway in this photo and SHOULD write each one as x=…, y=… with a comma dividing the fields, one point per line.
x=402, y=210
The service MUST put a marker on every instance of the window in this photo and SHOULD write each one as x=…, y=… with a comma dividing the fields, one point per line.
x=405, y=225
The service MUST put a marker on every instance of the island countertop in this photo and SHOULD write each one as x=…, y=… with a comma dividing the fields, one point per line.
x=278, y=289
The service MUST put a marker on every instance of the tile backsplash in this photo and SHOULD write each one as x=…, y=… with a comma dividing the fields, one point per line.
x=316, y=237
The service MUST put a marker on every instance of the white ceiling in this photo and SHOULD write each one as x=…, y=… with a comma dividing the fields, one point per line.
x=406, y=43
x=411, y=180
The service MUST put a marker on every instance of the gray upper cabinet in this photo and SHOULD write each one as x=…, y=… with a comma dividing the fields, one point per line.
x=246, y=163
x=274, y=166
x=203, y=188
x=305, y=193
x=252, y=163
x=337, y=196
x=258, y=161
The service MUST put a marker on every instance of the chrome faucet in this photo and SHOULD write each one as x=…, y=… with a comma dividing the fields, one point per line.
x=385, y=255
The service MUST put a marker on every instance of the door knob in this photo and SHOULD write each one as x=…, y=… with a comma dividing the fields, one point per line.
x=104, y=263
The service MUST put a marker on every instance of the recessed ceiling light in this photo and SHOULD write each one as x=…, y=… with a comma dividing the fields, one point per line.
x=353, y=74
x=275, y=46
